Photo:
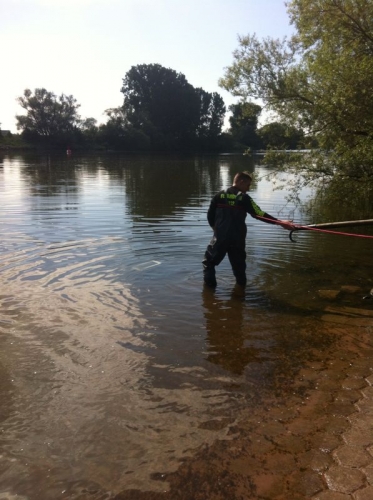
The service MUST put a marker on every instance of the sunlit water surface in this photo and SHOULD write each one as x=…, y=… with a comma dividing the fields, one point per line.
x=115, y=362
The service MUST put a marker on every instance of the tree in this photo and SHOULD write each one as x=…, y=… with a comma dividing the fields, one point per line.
x=170, y=111
x=280, y=136
x=244, y=122
x=321, y=81
x=48, y=116
x=119, y=134
x=211, y=117
x=161, y=102
x=88, y=124
x=89, y=130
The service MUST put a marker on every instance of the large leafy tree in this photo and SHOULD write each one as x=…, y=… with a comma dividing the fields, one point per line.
x=118, y=133
x=281, y=136
x=211, y=115
x=48, y=116
x=320, y=80
x=244, y=123
x=160, y=102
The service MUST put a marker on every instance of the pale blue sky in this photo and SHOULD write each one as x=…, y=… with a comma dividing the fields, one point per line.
x=85, y=47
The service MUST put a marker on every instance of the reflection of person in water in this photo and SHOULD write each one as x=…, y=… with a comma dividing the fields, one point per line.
x=226, y=332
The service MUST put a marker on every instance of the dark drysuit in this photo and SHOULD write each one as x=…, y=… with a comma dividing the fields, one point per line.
x=226, y=215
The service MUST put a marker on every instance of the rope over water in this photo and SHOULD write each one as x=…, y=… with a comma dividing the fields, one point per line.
x=320, y=227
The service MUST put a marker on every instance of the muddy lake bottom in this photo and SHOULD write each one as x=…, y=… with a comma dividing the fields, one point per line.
x=306, y=434
x=311, y=437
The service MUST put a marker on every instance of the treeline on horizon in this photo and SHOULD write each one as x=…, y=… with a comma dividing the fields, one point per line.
x=161, y=111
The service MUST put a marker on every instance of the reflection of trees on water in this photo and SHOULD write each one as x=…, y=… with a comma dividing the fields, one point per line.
x=47, y=175
x=159, y=186
x=155, y=185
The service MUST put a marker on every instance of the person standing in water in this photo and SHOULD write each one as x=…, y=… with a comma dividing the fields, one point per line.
x=226, y=215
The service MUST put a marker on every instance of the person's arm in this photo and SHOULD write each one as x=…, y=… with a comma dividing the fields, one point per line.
x=211, y=212
x=255, y=211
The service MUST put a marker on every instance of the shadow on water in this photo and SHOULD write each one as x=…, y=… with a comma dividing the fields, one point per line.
x=225, y=332
x=294, y=417
x=251, y=333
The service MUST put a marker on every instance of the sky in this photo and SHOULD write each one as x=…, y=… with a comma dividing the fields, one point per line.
x=84, y=48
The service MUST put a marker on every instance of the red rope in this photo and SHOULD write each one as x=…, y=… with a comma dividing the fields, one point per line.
x=308, y=228
x=333, y=232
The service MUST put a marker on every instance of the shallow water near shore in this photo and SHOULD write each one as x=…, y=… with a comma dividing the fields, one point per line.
x=119, y=369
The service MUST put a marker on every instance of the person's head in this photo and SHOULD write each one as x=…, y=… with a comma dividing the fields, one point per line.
x=242, y=181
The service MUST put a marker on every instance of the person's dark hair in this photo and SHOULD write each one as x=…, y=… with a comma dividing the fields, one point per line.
x=243, y=176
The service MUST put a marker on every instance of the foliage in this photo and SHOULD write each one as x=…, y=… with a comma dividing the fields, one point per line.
x=48, y=116
x=13, y=141
x=170, y=111
x=281, y=136
x=89, y=132
x=320, y=81
x=119, y=134
x=211, y=117
x=158, y=99
x=244, y=122
x=161, y=111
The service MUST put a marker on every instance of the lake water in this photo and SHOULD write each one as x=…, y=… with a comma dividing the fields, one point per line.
x=116, y=364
